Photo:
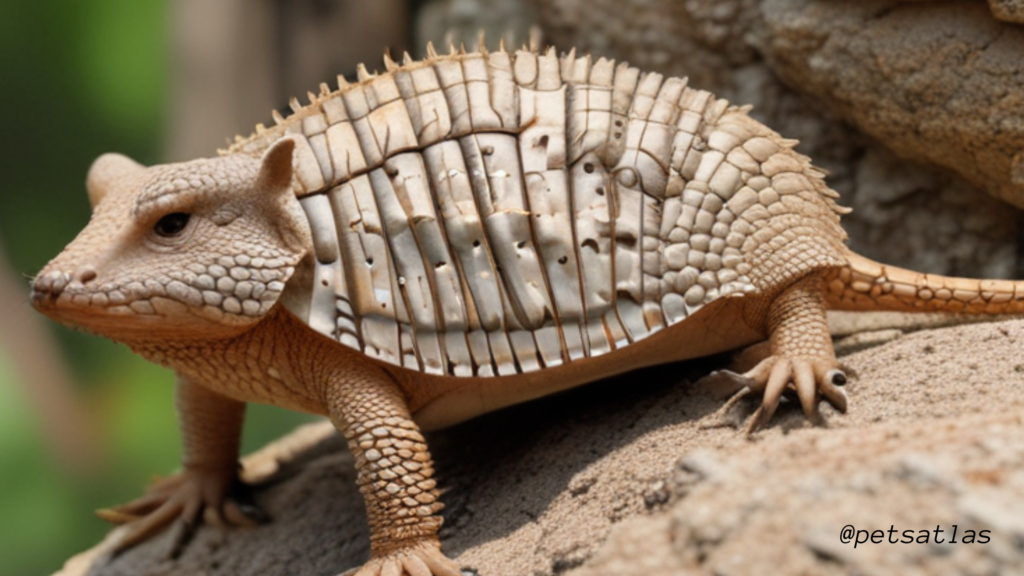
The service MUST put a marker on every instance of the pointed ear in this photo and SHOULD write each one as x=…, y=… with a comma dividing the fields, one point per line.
x=276, y=166
x=105, y=171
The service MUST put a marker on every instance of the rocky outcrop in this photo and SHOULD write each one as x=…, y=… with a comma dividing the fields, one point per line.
x=631, y=476
x=935, y=82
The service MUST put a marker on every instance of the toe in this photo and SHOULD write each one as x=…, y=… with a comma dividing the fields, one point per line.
x=725, y=383
x=778, y=379
x=149, y=525
x=441, y=566
x=829, y=387
x=391, y=567
x=134, y=509
x=807, y=390
x=415, y=566
x=116, y=517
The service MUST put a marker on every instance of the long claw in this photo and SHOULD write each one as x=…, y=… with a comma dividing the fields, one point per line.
x=182, y=533
x=835, y=396
x=727, y=382
x=440, y=565
x=778, y=378
x=142, y=505
x=149, y=525
x=415, y=566
x=188, y=519
x=213, y=516
x=806, y=388
x=746, y=391
x=116, y=517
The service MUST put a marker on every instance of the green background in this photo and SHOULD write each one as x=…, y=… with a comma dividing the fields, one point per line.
x=78, y=79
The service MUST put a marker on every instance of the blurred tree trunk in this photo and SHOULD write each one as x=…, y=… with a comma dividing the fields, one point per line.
x=232, y=61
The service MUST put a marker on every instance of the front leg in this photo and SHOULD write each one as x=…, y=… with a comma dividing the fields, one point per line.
x=211, y=427
x=394, y=474
x=802, y=356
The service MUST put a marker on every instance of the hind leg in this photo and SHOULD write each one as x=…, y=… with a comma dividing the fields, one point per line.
x=801, y=356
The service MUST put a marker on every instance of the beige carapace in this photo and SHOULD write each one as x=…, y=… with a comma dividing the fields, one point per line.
x=456, y=235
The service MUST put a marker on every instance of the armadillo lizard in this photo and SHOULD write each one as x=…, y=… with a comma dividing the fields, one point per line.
x=453, y=236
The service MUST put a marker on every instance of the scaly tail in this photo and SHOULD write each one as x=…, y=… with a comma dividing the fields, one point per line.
x=866, y=285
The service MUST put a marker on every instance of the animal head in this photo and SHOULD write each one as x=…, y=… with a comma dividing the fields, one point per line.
x=196, y=248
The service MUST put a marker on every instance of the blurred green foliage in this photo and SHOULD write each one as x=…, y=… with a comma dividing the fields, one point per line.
x=78, y=79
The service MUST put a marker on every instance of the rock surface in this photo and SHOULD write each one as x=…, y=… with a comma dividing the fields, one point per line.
x=936, y=82
x=629, y=476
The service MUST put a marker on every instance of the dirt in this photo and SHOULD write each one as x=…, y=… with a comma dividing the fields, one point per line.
x=633, y=476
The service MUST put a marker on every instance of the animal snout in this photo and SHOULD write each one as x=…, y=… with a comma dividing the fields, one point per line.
x=53, y=284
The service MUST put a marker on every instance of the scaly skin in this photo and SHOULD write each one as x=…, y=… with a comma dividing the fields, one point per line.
x=189, y=265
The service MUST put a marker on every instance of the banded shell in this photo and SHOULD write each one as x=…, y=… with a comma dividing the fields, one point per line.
x=493, y=213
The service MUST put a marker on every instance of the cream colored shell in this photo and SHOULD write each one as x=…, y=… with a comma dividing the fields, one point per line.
x=493, y=213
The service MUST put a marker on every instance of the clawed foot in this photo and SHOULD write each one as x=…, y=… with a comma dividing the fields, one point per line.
x=181, y=499
x=809, y=377
x=421, y=559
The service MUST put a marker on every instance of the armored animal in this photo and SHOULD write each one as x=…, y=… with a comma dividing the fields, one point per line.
x=453, y=236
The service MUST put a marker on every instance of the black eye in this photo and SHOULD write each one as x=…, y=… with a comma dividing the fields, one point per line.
x=171, y=225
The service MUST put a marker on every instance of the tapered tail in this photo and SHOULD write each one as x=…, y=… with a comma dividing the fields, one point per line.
x=867, y=285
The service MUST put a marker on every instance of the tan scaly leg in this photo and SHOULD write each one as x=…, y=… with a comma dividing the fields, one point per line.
x=394, y=474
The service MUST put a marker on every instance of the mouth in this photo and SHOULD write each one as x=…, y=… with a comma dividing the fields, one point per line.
x=58, y=290
x=95, y=309
x=122, y=312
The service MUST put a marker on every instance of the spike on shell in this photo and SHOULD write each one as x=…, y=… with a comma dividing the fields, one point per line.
x=294, y=104
x=431, y=52
x=389, y=64
x=260, y=128
x=312, y=97
x=362, y=74
x=342, y=82
x=278, y=119
x=406, y=58
x=324, y=89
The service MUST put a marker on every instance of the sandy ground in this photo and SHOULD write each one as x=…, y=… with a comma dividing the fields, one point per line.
x=630, y=476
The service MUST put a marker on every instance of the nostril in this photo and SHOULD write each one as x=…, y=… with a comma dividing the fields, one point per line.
x=85, y=274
